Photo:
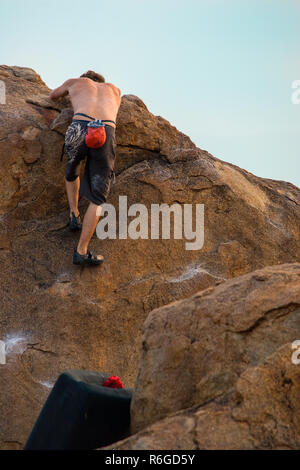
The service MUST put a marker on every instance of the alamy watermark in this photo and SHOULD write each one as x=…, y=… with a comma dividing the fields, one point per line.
x=296, y=93
x=188, y=222
x=296, y=354
x=2, y=92
x=2, y=353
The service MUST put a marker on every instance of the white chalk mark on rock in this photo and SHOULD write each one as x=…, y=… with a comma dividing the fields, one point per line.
x=13, y=343
x=16, y=343
x=47, y=384
x=191, y=272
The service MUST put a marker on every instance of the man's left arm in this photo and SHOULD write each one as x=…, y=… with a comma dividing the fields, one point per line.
x=61, y=90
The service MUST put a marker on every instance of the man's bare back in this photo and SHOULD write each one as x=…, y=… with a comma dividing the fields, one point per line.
x=98, y=100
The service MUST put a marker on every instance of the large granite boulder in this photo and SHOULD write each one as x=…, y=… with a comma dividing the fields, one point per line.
x=262, y=412
x=194, y=350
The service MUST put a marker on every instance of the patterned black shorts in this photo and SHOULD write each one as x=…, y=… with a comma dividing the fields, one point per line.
x=99, y=165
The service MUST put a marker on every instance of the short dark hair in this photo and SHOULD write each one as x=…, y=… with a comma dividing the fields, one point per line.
x=93, y=76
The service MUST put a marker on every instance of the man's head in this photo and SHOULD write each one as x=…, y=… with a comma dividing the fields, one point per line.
x=93, y=76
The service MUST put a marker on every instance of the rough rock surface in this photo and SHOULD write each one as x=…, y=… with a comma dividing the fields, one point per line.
x=262, y=412
x=194, y=350
x=55, y=316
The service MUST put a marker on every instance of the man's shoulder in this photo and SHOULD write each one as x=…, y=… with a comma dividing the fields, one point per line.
x=114, y=88
x=79, y=80
x=70, y=82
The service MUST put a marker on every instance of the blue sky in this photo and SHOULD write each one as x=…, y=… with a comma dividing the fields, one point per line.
x=219, y=70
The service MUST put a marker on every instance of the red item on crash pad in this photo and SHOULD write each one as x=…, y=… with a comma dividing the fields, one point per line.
x=113, y=382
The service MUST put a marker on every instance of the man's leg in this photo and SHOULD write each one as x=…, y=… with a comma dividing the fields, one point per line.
x=72, y=188
x=90, y=221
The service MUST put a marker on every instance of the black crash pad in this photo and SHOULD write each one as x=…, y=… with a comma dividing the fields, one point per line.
x=81, y=414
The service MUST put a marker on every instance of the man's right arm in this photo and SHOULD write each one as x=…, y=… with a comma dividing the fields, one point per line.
x=61, y=90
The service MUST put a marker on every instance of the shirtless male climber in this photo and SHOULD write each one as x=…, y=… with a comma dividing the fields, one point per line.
x=92, y=99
